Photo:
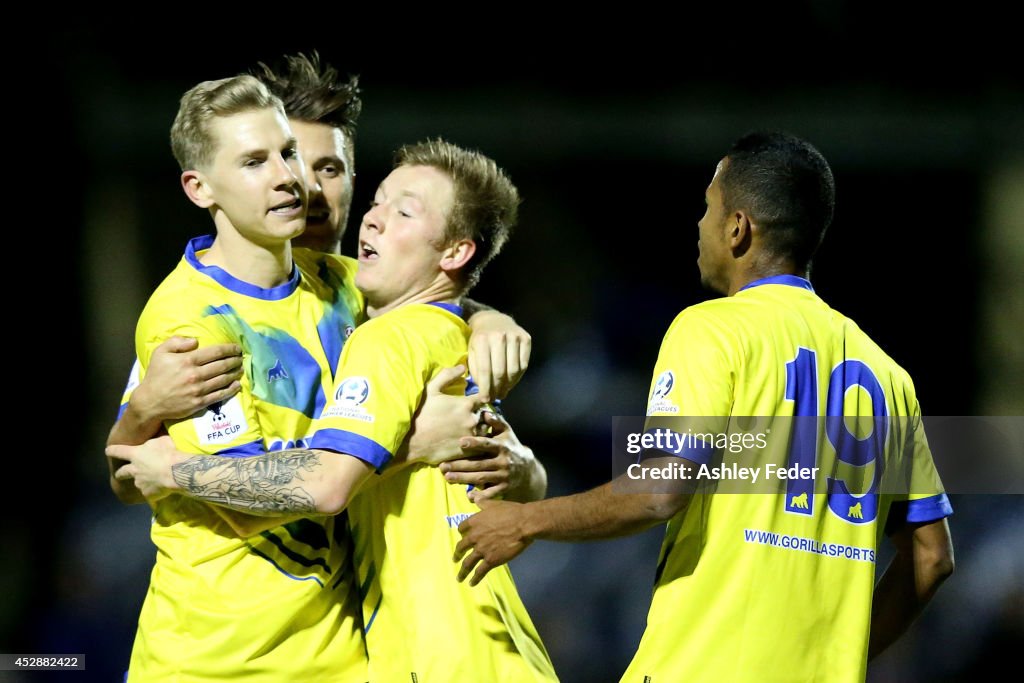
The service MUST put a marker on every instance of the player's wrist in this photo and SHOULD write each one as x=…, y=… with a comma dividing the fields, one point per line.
x=141, y=410
x=175, y=474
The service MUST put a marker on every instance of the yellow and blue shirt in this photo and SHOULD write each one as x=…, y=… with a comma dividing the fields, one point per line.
x=776, y=586
x=280, y=605
x=421, y=624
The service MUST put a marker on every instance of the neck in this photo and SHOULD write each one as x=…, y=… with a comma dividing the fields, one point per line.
x=439, y=291
x=760, y=267
x=263, y=266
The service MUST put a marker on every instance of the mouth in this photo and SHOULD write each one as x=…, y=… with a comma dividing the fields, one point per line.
x=366, y=252
x=289, y=208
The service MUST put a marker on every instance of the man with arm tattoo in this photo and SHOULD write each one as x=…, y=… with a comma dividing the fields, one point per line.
x=436, y=220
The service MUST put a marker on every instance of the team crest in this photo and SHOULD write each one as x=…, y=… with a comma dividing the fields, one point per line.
x=276, y=372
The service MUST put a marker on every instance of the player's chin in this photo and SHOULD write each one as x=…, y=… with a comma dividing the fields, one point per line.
x=288, y=229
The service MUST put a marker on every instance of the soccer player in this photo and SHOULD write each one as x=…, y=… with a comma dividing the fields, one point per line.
x=437, y=219
x=765, y=586
x=180, y=379
x=276, y=605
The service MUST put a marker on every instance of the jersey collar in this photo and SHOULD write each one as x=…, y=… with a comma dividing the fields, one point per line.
x=791, y=280
x=451, y=308
x=228, y=281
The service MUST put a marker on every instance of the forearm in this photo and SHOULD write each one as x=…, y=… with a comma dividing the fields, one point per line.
x=130, y=429
x=133, y=428
x=295, y=481
x=598, y=514
x=908, y=584
x=894, y=606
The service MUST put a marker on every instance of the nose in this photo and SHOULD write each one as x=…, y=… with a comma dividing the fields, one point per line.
x=311, y=181
x=285, y=175
x=374, y=218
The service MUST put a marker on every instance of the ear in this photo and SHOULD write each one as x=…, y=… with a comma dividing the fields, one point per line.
x=456, y=255
x=197, y=189
x=739, y=230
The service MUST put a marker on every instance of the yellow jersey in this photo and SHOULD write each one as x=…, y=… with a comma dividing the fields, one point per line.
x=776, y=586
x=421, y=623
x=281, y=605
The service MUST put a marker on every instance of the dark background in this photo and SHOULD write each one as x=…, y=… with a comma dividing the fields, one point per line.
x=611, y=127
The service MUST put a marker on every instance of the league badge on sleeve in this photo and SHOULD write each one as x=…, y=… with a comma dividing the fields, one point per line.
x=660, y=401
x=349, y=398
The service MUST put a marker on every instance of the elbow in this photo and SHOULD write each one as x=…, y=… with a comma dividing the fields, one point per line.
x=942, y=565
x=331, y=499
x=336, y=485
x=663, y=507
x=935, y=566
x=329, y=504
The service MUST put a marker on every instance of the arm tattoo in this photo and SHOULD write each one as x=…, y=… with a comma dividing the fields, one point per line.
x=260, y=485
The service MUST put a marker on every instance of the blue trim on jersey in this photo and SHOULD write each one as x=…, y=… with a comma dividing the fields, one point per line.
x=451, y=308
x=340, y=441
x=374, y=615
x=929, y=509
x=229, y=281
x=791, y=280
x=701, y=455
x=244, y=451
x=120, y=411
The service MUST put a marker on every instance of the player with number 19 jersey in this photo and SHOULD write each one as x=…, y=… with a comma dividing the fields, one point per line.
x=778, y=560
x=280, y=604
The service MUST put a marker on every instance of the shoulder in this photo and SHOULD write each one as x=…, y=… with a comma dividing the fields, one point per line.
x=417, y=324
x=183, y=293
x=714, y=320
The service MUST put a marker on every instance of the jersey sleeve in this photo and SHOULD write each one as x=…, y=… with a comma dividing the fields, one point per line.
x=230, y=428
x=692, y=385
x=378, y=388
x=925, y=499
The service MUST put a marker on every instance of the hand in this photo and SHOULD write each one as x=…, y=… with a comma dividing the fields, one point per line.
x=499, y=353
x=442, y=420
x=149, y=465
x=492, y=537
x=502, y=464
x=182, y=379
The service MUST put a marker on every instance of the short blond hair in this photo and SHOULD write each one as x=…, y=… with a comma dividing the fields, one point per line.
x=486, y=204
x=191, y=140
